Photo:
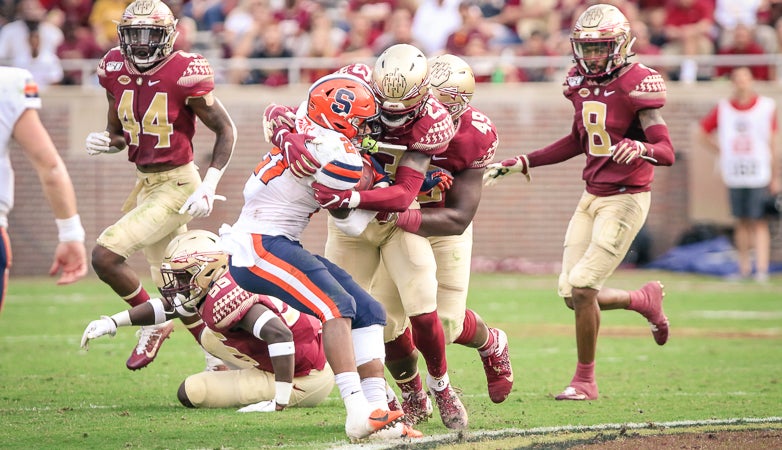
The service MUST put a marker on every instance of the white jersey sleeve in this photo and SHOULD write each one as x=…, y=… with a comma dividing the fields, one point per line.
x=18, y=92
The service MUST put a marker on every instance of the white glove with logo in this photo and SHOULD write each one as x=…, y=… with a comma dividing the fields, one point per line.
x=264, y=406
x=98, y=142
x=97, y=328
x=200, y=202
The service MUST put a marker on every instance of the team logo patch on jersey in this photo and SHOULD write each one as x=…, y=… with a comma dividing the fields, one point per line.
x=583, y=92
x=114, y=66
x=123, y=79
x=574, y=81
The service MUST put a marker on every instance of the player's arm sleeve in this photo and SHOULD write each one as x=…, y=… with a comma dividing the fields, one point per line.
x=658, y=141
x=407, y=183
x=561, y=150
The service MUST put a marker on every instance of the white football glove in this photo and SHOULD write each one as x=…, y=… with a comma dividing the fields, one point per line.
x=98, y=142
x=200, y=202
x=519, y=164
x=264, y=406
x=97, y=328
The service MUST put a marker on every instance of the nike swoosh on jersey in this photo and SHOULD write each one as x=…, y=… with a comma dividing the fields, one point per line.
x=439, y=158
x=608, y=93
x=152, y=83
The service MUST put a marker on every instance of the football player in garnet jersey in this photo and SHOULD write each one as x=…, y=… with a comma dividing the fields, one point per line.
x=411, y=119
x=445, y=218
x=268, y=258
x=154, y=96
x=19, y=104
x=270, y=346
x=619, y=127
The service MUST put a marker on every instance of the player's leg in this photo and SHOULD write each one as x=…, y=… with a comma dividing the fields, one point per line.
x=410, y=263
x=5, y=263
x=607, y=226
x=285, y=270
x=357, y=255
x=463, y=326
x=224, y=389
x=149, y=225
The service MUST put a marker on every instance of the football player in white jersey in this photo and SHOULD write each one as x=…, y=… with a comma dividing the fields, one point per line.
x=19, y=120
x=267, y=256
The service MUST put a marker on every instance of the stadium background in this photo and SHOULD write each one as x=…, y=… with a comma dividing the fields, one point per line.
x=519, y=226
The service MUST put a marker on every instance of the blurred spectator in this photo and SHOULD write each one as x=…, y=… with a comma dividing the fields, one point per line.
x=433, y=22
x=295, y=16
x=195, y=9
x=730, y=13
x=41, y=62
x=506, y=14
x=377, y=13
x=185, y=26
x=643, y=44
x=271, y=45
x=399, y=30
x=31, y=43
x=69, y=12
x=357, y=44
x=244, y=23
x=474, y=26
x=78, y=43
x=103, y=20
x=323, y=41
x=535, y=45
x=743, y=43
x=688, y=28
x=655, y=22
x=214, y=17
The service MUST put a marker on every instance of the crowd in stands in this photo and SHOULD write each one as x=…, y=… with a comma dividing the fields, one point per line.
x=40, y=34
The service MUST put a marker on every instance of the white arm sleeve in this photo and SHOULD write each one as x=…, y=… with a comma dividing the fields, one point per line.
x=356, y=222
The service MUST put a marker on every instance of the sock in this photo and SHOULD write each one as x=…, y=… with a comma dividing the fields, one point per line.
x=138, y=296
x=374, y=389
x=429, y=338
x=348, y=383
x=438, y=383
x=488, y=347
x=401, y=347
x=585, y=373
x=469, y=327
x=410, y=386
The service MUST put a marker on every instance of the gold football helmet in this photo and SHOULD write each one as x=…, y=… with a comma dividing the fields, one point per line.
x=601, y=41
x=400, y=80
x=191, y=262
x=452, y=83
x=147, y=32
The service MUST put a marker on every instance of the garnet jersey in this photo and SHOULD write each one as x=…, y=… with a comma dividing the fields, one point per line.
x=18, y=92
x=227, y=303
x=472, y=147
x=428, y=134
x=157, y=123
x=607, y=113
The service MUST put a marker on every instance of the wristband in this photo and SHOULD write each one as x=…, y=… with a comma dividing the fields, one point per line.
x=70, y=229
x=262, y=320
x=281, y=349
x=283, y=391
x=212, y=177
x=122, y=319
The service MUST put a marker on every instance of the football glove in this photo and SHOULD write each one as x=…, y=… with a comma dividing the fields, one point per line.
x=201, y=202
x=97, y=328
x=329, y=198
x=519, y=164
x=300, y=160
x=264, y=406
x=627, y=150
x=437, y=178
x=99, y=142
x=277, y=118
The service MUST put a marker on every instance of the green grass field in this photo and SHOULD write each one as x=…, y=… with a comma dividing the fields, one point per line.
x=722, y=361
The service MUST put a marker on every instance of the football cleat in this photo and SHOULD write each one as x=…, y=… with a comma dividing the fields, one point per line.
x=358, y=428
x=579, y=391
x=452, y=411
x=398, y=431
x=499, y=373
x=150, y=338
x=653, y=292
x=416, y=404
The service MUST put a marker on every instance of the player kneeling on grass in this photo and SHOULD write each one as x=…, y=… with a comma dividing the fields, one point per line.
x=273, y=347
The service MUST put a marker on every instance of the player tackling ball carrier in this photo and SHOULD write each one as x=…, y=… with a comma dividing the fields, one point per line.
x=619, y=128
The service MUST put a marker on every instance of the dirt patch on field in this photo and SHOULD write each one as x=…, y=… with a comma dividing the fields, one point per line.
x=718, y=440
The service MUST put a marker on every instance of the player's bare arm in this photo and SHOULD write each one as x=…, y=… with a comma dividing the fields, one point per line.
x=214, y=115
x=461, y=204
